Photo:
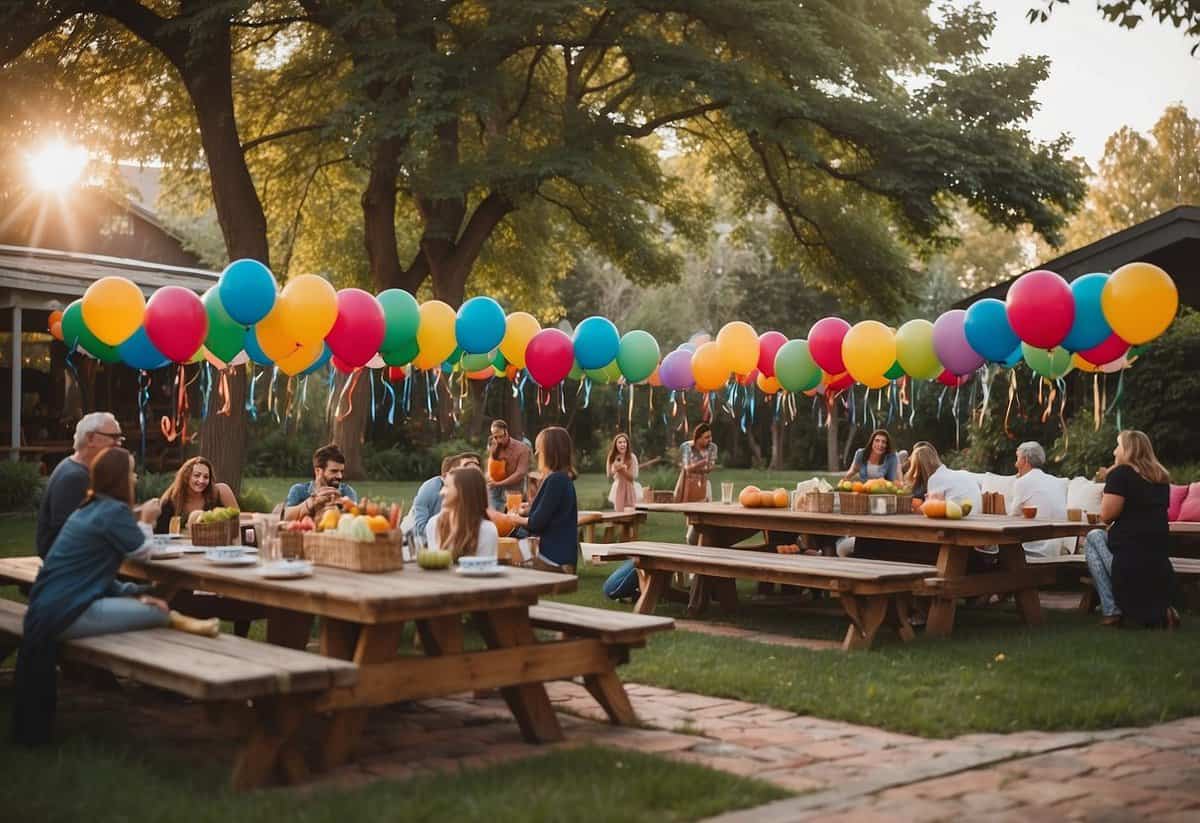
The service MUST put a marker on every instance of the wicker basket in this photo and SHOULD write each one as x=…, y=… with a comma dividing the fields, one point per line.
x=291, y=544
x=882, y=503
x=339, y=551
x=815, y=502
x=854, y=503
x=221, y=533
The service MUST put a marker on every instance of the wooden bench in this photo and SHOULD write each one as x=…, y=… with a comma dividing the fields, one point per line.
x=1072, y=566
x=618, y=631
x=224, y=672
x=871, y=592
x=622, y=525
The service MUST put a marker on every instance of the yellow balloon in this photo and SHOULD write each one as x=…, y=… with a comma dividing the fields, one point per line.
x=709, y=367
x=869, y=350
x=113, y=308
x=1082, y=364
x=768, y=385
x=521, y=328
x=738, y=344
x=275, y=338
x=1139, y=302
x=435, y=334
x=312, y=307
x=301, y=358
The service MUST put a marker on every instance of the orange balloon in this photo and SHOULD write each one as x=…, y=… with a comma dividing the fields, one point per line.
x=56, y=330
x=709, y=367
x=113, y=309
x=654, y=379
x=768, y=385
x=275, y=335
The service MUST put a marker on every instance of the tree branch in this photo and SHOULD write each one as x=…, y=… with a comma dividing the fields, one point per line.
x=279, y=135
x=276, y=21
x=650, y=126
x=597, y=89
x=788, y=209
x=533, y=64
x=487, y=215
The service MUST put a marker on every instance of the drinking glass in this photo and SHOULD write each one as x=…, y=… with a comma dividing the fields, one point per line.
x=512, y=501
x=726, y=493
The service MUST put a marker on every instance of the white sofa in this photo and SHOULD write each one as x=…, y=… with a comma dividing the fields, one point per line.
x=1079, y=492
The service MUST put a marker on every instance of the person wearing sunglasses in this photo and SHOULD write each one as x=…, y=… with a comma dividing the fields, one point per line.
x=68, y=482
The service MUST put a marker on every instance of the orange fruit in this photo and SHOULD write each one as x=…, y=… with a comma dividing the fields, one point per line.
x=934, y=508
x=749, y=497
x=766, y=500
x=859, y=488
x=781, y=498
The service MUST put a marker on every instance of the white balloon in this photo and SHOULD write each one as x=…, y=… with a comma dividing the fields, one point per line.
x=376, y=362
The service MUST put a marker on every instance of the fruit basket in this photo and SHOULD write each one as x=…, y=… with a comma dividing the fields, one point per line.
x=854, y=502
x=342, y=551
x=815, y=502
x=216, y=533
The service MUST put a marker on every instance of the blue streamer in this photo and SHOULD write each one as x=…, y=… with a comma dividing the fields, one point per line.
x=391, y=418
x=274, y=407
x=251, y=405
x=941, y=397
x=585, y=386
x=371, y=375
x=206, y=382
x=143, y=402
x=430, y=391
x=406, y=395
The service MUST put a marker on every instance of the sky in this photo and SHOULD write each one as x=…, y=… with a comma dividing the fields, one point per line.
x=1102, y=76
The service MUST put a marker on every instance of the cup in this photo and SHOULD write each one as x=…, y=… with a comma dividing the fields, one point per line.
x=477, y=564
x=727, y=494
x=1030, y=512
x=512, y=501
x=1075, y=515
x=1093, y=517
x=176, y=525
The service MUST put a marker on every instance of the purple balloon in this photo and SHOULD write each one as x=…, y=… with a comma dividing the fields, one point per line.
x=676, y=370
x=951, y=346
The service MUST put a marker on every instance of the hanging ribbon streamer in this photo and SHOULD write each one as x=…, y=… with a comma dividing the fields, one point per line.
x=1062, y=417
x=273, y=395
x=870, y=411
x=941, y=398
x=143, y=405
x=303, y=398
x=430, y=390
x=70, y=363
x=912, y=413
x=1049, y=402
x=225, y=394
x=251, y=396
x=371, y=377
x=629, y=416
x=1096, y=412
x=585, y=386
x=1115, y=405
x=347, y=396
x=562, y=400
x=391, y=391
x=205, y=389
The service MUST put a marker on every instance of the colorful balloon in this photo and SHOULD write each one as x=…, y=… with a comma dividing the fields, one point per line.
x=476, y=362
x=836, y=383
x=1090, y=329
x=273, y=334
x=76, y=334
x=1050, y=364
x=54, y=324
x=914, y=350
x=988, y=331
x=795, y=368
x=895, y=372
x=519, y=330
x=255, y=351
x=480, y=325
x=139, y=353
x=225, y=336
x=949, y=378
x=710, y=368
x=403, y=355
x=738, y=344
x=1111, y=349
x=113, y=308
x=303, y=357
x=248, y=291
x=1139, y=302
x=323, y=358
x=176, y=322
x=637, y=355
x=359, y=329
x=549, y=357
x=396, y=374
x=769, y=344
x=401, y=317
x=312, y=308
x=435, y=337
x=950, y=343
x=767, y=385
x=596, y=342
x=675, y=372
x=1041, y=308
x=825, y=343
x=603, y=376
x=868, y=350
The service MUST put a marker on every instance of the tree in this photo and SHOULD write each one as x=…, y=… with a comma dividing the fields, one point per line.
x=1182, y=14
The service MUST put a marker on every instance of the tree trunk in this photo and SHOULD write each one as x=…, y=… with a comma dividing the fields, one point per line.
x=348, y=421
x=755, y=449
x=776, y=445
x=223, y=436
x=514, y=416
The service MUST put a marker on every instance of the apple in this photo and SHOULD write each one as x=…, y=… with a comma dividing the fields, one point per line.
x=953, y=511
x=433, y=559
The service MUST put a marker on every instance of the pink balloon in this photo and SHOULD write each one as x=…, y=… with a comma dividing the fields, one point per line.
x=549, y=357
x=948, y=378
x=769, y=344
x=1111, y=349
x=358, y=331
x=1041, y=308
x=951, y=346
x=825, y=344
x=176, y=322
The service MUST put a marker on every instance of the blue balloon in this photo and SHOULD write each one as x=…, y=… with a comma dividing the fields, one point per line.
x=254, y=351
x=480, y=325
x=326, y=354
x=1090, y=329
x=988, y=330
x=687, y=347
x=247, y=291
x=596, y=342
x=1018, y=354
x=139, y=353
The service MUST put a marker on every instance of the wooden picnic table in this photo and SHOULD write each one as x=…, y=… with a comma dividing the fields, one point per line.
x=726, y=525
x=362, y=618
x=625, y=523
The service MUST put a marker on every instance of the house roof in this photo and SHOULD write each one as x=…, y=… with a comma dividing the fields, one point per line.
x=1170, y=240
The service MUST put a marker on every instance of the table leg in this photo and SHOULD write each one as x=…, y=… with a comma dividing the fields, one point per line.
x=901, y=606
x=952, y=563
x=530, y=705
x=866, y=616
x=1029, y=605
x=441, y=635
x=375, y=644
x=657, y=584
x=609, y=692
x=291, y=629
x=698, y=601
x=276, y=720
x=726, y=591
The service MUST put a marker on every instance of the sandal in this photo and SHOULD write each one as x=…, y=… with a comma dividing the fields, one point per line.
x=1113, y=620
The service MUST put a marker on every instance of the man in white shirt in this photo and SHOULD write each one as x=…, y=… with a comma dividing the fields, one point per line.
x=1033, y=487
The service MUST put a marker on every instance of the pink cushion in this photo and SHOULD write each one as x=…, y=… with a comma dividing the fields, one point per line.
x=1190, y=510
x=1178, y=493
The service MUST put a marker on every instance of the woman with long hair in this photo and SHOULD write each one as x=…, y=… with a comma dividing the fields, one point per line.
x=929, y=477
x=462, y=526
x=622, y=468
x=76, y=593
x=554, y=515
x=876, y=460
x=697, y=459
x=194, y=489
x=1129, y=562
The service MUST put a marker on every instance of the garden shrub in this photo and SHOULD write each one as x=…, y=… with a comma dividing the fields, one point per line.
x=151, y=484
x=253, y=499
x=21, y=486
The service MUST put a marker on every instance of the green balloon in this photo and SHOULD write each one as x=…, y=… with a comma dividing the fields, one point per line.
x=794, y=367
x=610, y=373
x=226, y=336
x=637, y=357
x=499, y=362
x=914, y=350
x=401, y=317
x=1051, y=364
x=477, y=362
x=76, y=334
x=895, y=372
x=576, y=371
x=403, y=354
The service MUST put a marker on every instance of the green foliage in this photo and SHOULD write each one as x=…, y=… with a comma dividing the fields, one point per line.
x=1083, y=448
x=271, y=450
x=254, y=499
x=1129, y=14
x=21, y=486
x=150, y=484
x=413, y=462
x=1160, y=391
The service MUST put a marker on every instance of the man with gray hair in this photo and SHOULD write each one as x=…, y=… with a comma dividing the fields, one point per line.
x=68, y=482
x=1033, y=487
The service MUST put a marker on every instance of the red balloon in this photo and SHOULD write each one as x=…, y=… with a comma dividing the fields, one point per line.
x=825, y=344
x=396, y=374
x=341, y=365
x=1108, y=351
x=948, y=378
x=747, y=379
x=176, y=322
x=769, y=343
x=1041, y=308
x=358, y=331
x=841, y=384
x=549, y=357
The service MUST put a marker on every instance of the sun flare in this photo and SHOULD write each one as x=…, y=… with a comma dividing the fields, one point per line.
x=56, y=165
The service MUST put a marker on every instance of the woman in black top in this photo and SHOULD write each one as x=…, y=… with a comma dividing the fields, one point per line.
x=1130, y=563
x=554, y=515
x=194, y=490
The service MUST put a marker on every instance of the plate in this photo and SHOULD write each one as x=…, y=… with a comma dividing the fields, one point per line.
x=494, y=572
x=286, y=570
x=234, y=561
x=166, y=554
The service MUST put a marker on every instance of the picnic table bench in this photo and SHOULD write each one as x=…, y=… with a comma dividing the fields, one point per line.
x=871, y=592
x=266, y=689
x=625, y=524
x=1073, y=568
